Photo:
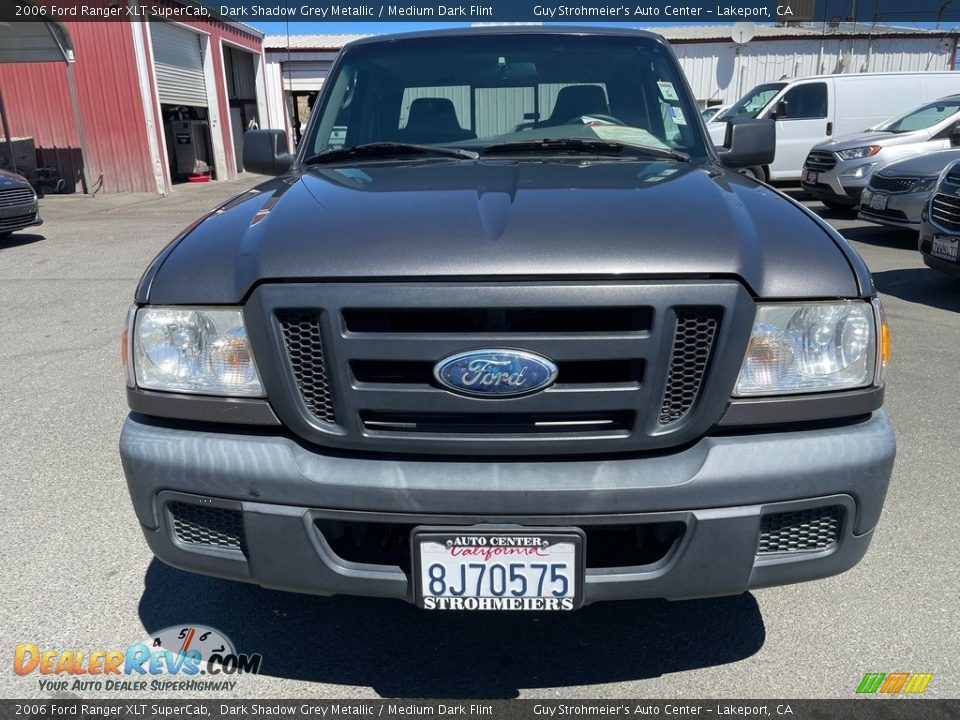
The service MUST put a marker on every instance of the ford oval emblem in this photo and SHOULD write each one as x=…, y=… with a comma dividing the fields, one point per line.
x=496, y=373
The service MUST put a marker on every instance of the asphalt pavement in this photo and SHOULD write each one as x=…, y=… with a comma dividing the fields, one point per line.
x=77, y=575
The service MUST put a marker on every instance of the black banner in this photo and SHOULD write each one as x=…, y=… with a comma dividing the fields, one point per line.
x=830, y=12
x=140, y=709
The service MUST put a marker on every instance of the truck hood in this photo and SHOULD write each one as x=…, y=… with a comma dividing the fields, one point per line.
x=885, y=139
x=504, y=218
x=928, y=165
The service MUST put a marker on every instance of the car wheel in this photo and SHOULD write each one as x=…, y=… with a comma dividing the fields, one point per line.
x=839, y=206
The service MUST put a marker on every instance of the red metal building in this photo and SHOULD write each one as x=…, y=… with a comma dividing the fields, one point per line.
x=150, y=99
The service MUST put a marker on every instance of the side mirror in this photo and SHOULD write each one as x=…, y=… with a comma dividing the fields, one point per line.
x=780, y=111
x=748, y=143
x=955, y=135
x=264, y=152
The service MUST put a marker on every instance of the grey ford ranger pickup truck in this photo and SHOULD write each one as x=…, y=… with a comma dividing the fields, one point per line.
x=508, y=333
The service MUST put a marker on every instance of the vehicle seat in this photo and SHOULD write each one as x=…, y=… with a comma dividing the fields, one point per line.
x=576, y=100
x=433, y=120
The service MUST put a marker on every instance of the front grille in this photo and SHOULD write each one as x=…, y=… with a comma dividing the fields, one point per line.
x=15, y=223
x=890, y=184
x=16, y=196
x=207, y=525
x=641, y=366
x=945, y=211
x=692, y=345
x=799, y=531
x=820, y=161
x=301, y=332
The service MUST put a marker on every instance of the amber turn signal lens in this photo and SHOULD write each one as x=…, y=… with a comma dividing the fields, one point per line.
x=883, y=344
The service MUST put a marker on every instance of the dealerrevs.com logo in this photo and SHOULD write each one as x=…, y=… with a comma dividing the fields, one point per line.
x=185, y=657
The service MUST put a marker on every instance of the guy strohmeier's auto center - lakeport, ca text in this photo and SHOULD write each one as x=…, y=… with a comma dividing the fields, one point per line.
x=569, y=12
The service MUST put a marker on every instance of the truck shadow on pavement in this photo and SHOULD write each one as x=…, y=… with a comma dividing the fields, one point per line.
x=921, y=285
x=882, y=237
x=400, y=651
x=9, y=242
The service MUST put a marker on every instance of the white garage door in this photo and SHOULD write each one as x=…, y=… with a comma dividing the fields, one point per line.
x=178, y=64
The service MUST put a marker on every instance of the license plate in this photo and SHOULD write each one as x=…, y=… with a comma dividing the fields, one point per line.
x=945, y=248
x=879, y=202
x=485, y=569
x=810, y=177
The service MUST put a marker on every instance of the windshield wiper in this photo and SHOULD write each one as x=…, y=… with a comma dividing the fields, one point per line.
x=583, y=145
x=388, y=150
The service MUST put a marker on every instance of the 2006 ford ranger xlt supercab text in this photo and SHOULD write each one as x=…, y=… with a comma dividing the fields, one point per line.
x=508, y=333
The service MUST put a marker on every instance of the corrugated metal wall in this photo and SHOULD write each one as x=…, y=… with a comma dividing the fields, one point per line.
x=38, y=105
x=717, y=71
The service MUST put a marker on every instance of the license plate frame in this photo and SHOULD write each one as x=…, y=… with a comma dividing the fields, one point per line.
x=940, y=244
x=878, y=201
x=811, y=177
x=555, y=537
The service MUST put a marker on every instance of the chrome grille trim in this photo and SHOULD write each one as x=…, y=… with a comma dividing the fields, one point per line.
x=945, y=211
x=820, y=161
x=14, y=197
x=892, y=185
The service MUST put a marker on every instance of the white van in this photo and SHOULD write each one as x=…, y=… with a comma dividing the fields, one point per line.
x=814, y=109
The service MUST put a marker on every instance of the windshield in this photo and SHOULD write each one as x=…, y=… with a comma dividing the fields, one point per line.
x=923, y=117
x=750, y=105
x=478, y=91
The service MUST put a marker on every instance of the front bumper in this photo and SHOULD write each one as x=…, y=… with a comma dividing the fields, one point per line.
x=835, y=186
x=713, y=495
x=903, y=209
x=20, y=217
x=924, y=244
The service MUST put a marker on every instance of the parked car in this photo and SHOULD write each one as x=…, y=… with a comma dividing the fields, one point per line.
x=939, y=240
x=897, y=194
x=473, y=367
x=709, y=114
x=835, y=172
x=812, y=110
x=19, y=207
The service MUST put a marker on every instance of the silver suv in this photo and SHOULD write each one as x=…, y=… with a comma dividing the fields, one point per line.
x=836, y=172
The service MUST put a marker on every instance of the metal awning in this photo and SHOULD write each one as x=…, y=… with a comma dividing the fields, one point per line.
x=35, y=42
x=32, y=42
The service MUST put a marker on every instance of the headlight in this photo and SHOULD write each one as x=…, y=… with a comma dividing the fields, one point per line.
x=194, y=350
x=859, y=152
x=924, y=185
x=797, y=348
x=859, y=171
